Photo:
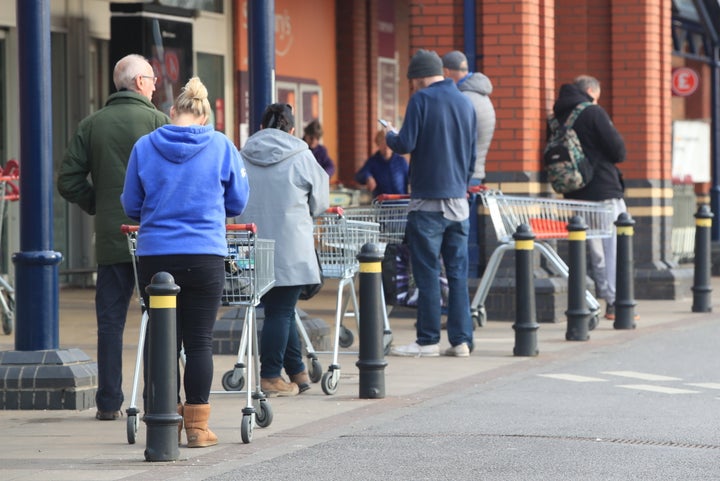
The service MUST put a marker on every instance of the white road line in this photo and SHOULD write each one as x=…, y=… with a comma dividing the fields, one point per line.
x=573, y=377
x=706, y=385
x=641, y=375
x=660, y=389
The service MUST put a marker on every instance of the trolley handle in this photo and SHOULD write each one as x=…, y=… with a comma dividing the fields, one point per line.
x=128, y=229
x=241, y=227
x=385, y=197
x=335, y=210
x=476, y=189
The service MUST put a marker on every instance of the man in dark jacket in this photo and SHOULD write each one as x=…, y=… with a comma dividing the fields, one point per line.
x=439, y=131
x=100, y=149
x=604, y=147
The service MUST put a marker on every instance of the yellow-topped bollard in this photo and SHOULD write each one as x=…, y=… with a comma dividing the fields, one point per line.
x=525, y=325
x=371, y=356
x=161, y=415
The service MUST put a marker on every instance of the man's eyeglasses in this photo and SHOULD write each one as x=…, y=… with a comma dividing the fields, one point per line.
x=154, y=79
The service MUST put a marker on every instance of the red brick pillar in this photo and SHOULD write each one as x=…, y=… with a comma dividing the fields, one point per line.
x=355, y=73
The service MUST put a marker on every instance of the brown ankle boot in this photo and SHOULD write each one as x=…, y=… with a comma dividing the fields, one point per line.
x=302, y=380
x=196, y=418
x=277, y=386
x=180, y=424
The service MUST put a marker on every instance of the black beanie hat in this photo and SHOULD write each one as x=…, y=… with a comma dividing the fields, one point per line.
x=425, y=63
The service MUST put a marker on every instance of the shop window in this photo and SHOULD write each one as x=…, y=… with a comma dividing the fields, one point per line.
x=211, y=70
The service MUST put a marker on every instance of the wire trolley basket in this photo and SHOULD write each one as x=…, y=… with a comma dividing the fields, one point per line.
x=548, y=218
x=338, y=241
x=249, y=266
x=9, y=192
x=389, y=211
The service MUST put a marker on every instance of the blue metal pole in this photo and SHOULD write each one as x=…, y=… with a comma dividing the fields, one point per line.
x=261, y=58
x=470, y=34
x=36, y=271
x=715, y=143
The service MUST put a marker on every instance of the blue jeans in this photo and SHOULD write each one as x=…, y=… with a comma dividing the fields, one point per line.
x=430, y=235
x=280, y=344
x=113, y=291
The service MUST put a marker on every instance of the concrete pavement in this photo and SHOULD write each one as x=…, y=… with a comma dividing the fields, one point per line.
x=69, y=445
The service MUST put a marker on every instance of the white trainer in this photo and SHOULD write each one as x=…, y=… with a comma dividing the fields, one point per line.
x=461, y=350
x=416, y=350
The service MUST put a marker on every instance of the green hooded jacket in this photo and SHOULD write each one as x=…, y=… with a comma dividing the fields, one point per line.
x=92, y=173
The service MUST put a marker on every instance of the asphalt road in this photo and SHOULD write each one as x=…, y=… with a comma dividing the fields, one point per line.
x=644, y=409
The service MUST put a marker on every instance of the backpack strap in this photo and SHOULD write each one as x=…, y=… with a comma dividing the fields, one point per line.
x=576, y=113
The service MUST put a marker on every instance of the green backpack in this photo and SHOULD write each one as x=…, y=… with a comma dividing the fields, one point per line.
x=565, y=163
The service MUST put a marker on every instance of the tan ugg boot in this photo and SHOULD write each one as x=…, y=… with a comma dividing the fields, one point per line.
x=180, y=424
x=196, y=418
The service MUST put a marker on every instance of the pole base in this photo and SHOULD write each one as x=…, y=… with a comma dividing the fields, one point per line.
x=51, y=379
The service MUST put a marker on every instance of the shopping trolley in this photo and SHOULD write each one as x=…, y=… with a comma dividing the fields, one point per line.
x=9, y=192
x=249, y=274
x=389, y=211
x=338, y=241
x=548, y=219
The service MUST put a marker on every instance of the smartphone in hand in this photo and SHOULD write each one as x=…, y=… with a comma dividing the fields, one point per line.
x=384, y=123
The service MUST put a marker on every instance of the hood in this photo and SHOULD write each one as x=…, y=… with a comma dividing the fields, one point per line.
x=569, y=96
x=179, y=144
x=270, y=146
x=476, y=82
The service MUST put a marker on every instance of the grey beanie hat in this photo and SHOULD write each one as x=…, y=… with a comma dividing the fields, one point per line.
x=453, y=60
x=425, y=63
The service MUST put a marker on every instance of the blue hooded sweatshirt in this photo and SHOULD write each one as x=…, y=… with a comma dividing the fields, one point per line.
x=182, y=183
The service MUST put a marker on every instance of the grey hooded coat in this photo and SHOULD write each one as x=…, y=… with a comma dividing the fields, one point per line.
x=287, y=189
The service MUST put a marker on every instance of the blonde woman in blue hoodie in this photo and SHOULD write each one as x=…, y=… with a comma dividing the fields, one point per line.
x=183, y=181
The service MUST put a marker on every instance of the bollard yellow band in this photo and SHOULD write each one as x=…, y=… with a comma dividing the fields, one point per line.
x=625, y=230
x=163, y=302
x=524, y=245
x=577, y=235
x=703, y=222
x=371, y=267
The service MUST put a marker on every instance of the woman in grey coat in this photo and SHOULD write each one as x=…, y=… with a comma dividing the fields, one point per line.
x=287, y=188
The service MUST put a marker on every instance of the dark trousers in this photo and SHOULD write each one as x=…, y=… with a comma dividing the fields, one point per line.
x=114, y=289
x=201, y=279
x=280, y=343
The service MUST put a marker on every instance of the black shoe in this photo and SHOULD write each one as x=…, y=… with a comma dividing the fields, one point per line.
x=108, y=415
x=610, y=312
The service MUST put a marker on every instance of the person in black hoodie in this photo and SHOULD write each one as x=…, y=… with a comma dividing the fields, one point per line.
x=604, y=147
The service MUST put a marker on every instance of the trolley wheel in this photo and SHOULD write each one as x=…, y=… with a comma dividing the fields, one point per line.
x=315, y=370
x=232, y=382
x=132, y=428
x=387, y=342
x=263, y=414
x=329, y=383
x=594, y=321
x=346, y=337
x=479, y=316
x=246, y=428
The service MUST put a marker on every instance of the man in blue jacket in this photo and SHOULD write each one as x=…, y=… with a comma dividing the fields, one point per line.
x=439, y=132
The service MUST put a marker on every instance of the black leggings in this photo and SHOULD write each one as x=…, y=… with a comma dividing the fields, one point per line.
x=201, y=279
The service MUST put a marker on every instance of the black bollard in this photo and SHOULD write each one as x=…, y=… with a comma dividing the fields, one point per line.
x=578, y=314
x=701, y=278
x=161, y=415
x=525, y=326
x=371, y=356
x=624, y=274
